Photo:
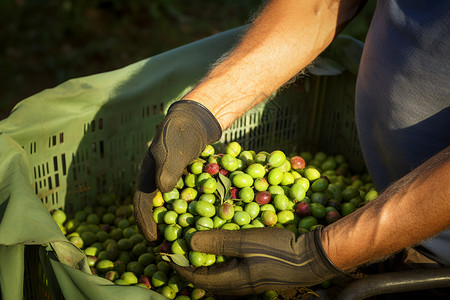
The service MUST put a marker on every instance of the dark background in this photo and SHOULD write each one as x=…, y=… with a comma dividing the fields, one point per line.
x=46, y=42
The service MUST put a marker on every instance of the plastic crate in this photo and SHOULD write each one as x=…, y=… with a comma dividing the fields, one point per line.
x=88, y=135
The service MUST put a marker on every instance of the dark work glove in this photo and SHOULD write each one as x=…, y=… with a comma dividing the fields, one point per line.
x=265, y=259
x=181, y=137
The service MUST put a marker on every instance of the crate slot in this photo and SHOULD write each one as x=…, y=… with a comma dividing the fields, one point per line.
x=32, y=147
x=56, y=180
x=63, y=162
x=55, y=163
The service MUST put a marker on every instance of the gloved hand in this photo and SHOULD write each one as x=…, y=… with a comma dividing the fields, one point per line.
x=181, y=137
x=265, y=259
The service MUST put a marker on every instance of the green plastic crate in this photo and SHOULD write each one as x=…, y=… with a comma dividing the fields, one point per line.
x=88, y=136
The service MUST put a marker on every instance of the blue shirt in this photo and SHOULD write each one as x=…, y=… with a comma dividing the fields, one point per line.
x=402, y=95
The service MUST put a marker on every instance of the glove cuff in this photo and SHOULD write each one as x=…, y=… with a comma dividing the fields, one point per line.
x=326, y=260
x=209, y=121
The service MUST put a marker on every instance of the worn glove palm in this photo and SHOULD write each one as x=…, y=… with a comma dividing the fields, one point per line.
x=183, y=134
x=264, y=259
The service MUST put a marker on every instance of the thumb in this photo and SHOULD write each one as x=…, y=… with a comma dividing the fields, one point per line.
x=217, y=241
x=243, y=243
x=239, y=243
x=143, y=214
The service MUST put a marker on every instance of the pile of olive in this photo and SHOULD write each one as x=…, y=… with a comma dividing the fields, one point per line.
x=229, y=189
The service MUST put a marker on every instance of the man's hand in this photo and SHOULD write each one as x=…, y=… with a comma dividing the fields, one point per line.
x=264, y=259
x=183, y=134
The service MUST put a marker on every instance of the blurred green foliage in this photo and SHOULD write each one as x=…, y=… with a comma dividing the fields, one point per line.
x=46, y=42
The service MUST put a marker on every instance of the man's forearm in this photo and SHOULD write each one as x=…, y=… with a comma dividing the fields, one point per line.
x=283, y=40
x=410, y=210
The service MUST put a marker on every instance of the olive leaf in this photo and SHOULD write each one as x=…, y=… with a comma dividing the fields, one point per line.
x=199, y=159
x=165, y=257
x=223, y=187
x=177, y=259
x=220, y=189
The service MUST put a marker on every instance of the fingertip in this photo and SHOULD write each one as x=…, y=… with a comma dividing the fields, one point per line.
x=180, y=269
x=166, y=180
x=185, y=272
x=206, y=241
